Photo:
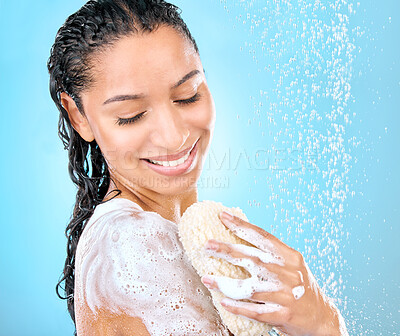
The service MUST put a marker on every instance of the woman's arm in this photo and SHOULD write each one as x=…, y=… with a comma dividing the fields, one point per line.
x=303, y=308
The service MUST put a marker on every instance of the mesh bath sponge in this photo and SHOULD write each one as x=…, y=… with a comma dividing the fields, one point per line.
x=199, y=223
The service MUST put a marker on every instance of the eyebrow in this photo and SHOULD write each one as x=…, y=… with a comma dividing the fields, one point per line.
x=119, y=98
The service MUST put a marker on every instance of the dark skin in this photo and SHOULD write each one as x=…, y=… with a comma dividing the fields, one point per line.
x=134, y=66
x=312, y=314
x=165, y=70
x=168, y=127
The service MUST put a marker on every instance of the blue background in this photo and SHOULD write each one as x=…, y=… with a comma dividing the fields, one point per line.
x=38, y=196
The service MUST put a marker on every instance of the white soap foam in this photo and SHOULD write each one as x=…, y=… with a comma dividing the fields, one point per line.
x=131, y=261
x=301, y=276
x=266, y=255
x=298, y=292
x=256, y=239
x=261, y=279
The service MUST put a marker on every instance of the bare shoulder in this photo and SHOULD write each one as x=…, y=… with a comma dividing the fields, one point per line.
x=132, y=278
x=108, y=247
x=109, y=324
x=117, y=271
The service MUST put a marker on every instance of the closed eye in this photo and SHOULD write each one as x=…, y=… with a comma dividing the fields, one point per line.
x=122, y=122
x=191, y=100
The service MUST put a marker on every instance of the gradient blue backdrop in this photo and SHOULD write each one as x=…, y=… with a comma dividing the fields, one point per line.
x=38, y=196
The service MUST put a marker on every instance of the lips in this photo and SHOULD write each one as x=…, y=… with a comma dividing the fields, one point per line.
x=172, y=157
x=180, y=169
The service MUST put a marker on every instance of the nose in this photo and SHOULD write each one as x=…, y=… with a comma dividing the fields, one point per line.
x=169, y=131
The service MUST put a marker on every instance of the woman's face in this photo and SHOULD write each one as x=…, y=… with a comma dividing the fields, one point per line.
x=150, y=100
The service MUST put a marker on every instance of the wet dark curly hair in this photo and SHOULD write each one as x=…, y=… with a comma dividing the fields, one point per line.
x=94, y=27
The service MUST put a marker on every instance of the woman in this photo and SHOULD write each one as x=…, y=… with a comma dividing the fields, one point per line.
x=137, y=118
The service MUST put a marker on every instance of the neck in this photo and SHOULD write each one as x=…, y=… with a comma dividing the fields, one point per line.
x=170, y=207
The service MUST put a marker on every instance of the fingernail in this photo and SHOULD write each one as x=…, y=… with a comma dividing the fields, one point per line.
x=211, y=245
x=226, y=302
x=206, y=280
x=226, y=215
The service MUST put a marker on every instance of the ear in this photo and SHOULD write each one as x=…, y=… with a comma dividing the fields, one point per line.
x=78, y=120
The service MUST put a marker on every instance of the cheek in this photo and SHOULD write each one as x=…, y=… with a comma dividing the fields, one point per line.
x=204, y=115
x=120, y=143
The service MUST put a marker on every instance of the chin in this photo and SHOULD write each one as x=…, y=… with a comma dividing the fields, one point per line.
x=178, y=185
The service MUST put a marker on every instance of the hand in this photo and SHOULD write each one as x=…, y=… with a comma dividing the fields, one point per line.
x=282, y=290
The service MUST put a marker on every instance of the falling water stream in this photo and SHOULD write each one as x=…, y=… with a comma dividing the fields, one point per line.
x=303, y=53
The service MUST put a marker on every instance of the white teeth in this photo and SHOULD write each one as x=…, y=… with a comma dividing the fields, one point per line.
x=171, y=163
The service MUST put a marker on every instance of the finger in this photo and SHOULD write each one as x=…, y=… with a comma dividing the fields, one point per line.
x=258, y=263
x=234, y=288
x=236, y=255
x=281, y=297
x=270, y=313
x=254, y=235
x=236, y=252
x=239, y=289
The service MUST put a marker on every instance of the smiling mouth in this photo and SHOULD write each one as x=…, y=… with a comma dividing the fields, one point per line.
x=180, y=158
x=170, y=163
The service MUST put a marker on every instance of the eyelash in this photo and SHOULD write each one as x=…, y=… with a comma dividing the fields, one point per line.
x=191, y=100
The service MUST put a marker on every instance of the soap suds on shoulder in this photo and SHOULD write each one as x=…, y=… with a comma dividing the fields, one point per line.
x=132, y=262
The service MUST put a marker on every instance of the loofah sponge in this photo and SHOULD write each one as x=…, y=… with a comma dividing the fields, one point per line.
x=199, y=223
